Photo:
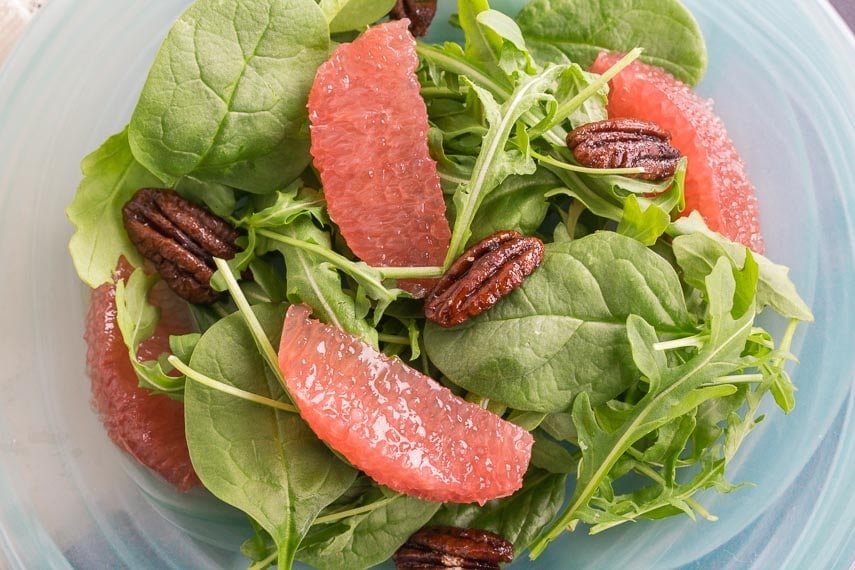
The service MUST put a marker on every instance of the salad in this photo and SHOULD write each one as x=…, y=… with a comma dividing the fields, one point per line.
x=631, y=355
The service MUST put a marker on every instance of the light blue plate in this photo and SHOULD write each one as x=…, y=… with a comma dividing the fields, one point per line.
x=781, y=75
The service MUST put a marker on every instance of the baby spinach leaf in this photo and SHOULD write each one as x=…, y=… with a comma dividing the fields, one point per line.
x=578, y=30
x=219, y=198
x=518, y=518
x=111, y=175
x=347, y=15
x=264, y=461
x=364, y=539
x=225, y=100
x=517, y=203
x=563, y=331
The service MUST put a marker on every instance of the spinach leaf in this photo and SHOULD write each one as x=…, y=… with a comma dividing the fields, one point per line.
x=225, y=100
x=672, y=392
x=262, y=460
x=111, y=175
x=219, y=198
x=578, y=30
x=363, y=536
x=517, y=203
x=347, y=15
x=518, y=518
x=563, y=331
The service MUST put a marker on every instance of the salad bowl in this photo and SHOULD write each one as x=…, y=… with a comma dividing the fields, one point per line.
x=780, y=79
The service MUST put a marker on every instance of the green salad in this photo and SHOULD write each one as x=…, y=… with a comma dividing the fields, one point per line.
x=634, y=354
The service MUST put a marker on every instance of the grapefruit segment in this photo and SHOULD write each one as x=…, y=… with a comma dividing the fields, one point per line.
x=369, y=130
x=717, y=185
x=148, y=426
x=399, y=426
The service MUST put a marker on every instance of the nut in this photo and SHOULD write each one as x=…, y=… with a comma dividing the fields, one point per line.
x=450, y=547
x=625, y=143
x=485, y=273
x=420, y=13
x=181, y=239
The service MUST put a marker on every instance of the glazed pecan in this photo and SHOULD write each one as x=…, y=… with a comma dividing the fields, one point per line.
x=625, y=143
x=420, y=13
x=450, y=547
x=485, y=273
x=181, y=239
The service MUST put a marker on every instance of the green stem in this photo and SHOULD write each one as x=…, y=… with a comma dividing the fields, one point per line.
x=356, y=511
x=353, y=268
x=696, y=341
x=261, y=340
x=393, y=339
x=264, y=563
x=584, y=169
x=443, y=92
x=736, y=379
x=228, y=388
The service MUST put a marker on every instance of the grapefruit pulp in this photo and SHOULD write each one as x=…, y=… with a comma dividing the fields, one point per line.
x=369, y=130
x=148, y=426
x=717, y=185
x=400, y=427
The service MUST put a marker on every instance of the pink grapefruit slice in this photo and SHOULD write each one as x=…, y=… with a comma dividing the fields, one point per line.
x=369, y=130
x=150, y=427
x=717, y=185
x=400, y=427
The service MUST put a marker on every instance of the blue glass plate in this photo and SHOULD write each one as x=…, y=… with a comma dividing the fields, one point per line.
x=780, y=74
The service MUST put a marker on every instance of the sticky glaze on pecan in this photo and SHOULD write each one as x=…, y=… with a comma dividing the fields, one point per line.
x=450, y=547
x=485, y=273
x=625, y=143
x=181, y=239
x=420, y=13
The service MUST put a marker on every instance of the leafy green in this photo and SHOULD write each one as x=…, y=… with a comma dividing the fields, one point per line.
x=111, y=175
x=225, y=99
x=347, y=15
x=264, y=461
x=563, y=332
x=578, y=30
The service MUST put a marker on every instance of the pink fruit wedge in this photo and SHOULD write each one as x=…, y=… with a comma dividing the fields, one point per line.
x=717, y=185
x=369, y=142
x=399, y=426
x=150, y=427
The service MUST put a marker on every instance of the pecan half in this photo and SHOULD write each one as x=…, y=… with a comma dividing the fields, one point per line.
x=450, y=547
x=181, y=239
x=625, y=143
x=420, y=13
x=485, y=273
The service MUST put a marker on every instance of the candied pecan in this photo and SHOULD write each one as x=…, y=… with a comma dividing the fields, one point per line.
x=485, y=273
x=451, y=547
x=625, y=143
x=420, y=13
x=181, y=239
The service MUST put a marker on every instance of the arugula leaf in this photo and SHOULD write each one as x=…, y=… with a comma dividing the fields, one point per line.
x=645, y=226
x=563, y=331
x=578, y=30
x=235, y=111
x=347, y=15
x=482, y=45
x=697, y=249
x=137, y=320
x=111, y=175
x=262, y=460
x=672, y=392
x=518, y=203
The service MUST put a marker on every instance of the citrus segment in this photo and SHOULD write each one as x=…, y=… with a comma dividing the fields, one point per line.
x=369, y=130
x=150, y=427
x=399, y=426
x=717, y=185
